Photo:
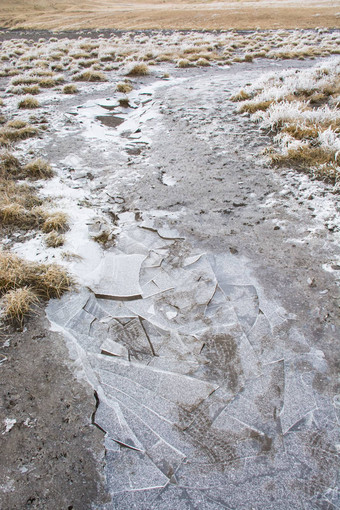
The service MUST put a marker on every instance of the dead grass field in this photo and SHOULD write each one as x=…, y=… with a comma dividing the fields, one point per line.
x=194, y=14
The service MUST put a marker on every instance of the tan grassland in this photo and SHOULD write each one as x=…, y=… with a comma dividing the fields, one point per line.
x=168, y=14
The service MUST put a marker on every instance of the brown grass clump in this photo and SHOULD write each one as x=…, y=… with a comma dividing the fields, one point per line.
x=25, y=80
x=38, y=169
x=18, y=303
x=16, y=130
x=54, y=240
x=242, y=95
x=317, y=161
x=10, y=166
x=253, y=106
x=19, y=206
x=29, y=102
x=300, y=132
x=13, y=214
x=139, y=69
x=90, y=75
x=57, y=222
x=124, y=87
x=304, y=157
x=47, y=83
x=70, y=89
x=104, y=238
x=16, y=124
x=184, y=63
x=203, y=62
x=124, y=102
x=48, y=280
x=33, y=90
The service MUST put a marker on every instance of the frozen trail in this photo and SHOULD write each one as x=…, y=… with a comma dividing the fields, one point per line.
x=204, y=328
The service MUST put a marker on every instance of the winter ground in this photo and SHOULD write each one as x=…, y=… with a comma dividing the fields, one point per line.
x=207, y=326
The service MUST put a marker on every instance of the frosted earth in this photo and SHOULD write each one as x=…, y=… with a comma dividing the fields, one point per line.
x=203, y=327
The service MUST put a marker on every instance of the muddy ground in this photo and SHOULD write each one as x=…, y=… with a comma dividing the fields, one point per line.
x=237, y=405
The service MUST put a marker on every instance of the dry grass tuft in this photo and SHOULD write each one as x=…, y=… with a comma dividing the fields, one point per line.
x=38, y=169
x=124, y=102
x=301, y=132
x=33, y=90
x=16, y=124
x=19, y=206
x=13, y=214
x=242, y=95
x=304, y=157
x=29, y=102
x=54, y=240
x=47, y=83
x=46, y=280
x=104, y=238
x=254, y=106
x=203, y=62
x=17, y=304
x=123, y=87
x=16, y=130
x=70, y=89
x=25, y=80
x=10, y=166
x=139, y=69
x=57, y=222
x=90, y=75
x=184, y=63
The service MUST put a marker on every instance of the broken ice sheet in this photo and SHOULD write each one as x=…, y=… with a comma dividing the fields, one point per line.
x=299, y=398
x=134, y=471
x=246, y=303
x=163, y=232
x=116, y=309
x=117, y=276
x=62, y=310
x=168, y=385
x=131, y=246
x=112, y=348
x=133, y=337
x=110, y=418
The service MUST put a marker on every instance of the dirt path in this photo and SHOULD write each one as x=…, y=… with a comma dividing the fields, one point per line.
x=208, y=330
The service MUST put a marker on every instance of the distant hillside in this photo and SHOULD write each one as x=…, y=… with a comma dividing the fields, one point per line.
x=176, y=14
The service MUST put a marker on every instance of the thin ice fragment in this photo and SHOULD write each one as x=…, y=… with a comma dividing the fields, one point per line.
x=118, y=276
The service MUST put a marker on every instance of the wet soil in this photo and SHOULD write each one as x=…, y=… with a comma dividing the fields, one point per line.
x=50, y=449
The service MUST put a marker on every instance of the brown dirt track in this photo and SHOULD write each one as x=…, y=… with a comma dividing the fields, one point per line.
x=136, y=14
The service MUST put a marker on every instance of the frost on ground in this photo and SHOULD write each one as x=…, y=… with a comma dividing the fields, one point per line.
x=204, y=318
x=301, y=108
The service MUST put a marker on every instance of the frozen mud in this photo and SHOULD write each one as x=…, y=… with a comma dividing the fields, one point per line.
x=207, y=326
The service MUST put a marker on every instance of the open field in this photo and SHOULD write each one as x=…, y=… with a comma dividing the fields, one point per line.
x=136, y=14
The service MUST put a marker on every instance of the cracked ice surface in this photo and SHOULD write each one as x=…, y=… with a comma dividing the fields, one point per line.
x=202, y=396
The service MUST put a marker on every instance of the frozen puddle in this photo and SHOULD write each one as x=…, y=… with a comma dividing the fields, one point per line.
x=204, y=385
x=110, y=120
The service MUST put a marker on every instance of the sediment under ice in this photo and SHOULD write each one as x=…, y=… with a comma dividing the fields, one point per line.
x=202, y=395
